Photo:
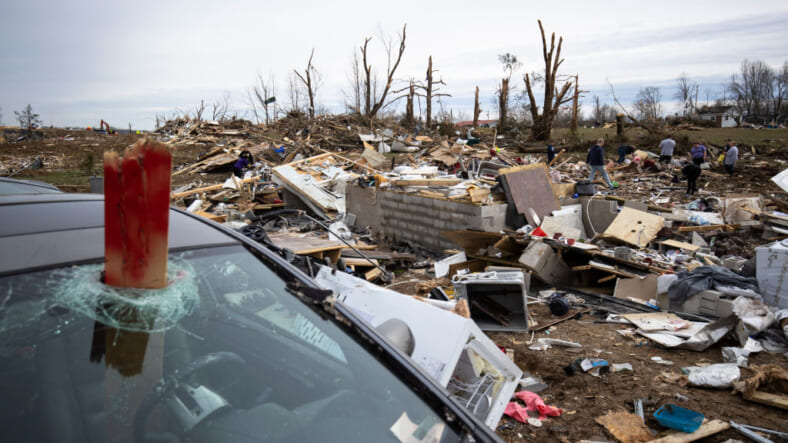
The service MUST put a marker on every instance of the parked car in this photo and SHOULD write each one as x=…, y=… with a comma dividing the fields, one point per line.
x=240, y=347
x=14, y=186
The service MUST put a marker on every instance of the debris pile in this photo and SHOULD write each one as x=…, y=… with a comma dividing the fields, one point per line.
x=514, y=264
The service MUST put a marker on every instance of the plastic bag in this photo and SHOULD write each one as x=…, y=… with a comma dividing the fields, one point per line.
x=720, y=375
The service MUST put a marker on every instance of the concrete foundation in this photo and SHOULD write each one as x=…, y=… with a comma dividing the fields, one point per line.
x=420, y=220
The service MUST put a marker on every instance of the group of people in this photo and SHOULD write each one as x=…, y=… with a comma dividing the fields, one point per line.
x=690, y=169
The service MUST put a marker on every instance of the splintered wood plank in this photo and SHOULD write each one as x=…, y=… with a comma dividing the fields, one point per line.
x=767, y=398
x=709, y=427
x=728, y=228
x=530, y=188
x=625, y=427
x=306, y=245
x=136, y=215
x=634, y=227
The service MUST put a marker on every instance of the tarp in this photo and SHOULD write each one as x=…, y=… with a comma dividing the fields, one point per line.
x=700, y=279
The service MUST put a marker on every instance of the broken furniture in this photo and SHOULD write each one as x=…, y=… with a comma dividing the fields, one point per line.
x=497, y=300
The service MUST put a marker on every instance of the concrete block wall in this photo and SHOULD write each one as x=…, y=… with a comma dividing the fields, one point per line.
x=420, y=220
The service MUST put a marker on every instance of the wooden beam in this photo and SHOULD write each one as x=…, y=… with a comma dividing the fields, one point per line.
x=608, y=278
x=555, y=158
x=708, y=228
x=215, y=187
x=427, y=182
x=709, y=427
x=766, y=398
x=372, y=274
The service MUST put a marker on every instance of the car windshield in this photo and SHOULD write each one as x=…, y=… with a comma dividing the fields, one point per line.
x=224, y=353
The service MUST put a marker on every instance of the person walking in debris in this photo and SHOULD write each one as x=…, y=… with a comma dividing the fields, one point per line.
x=692, y=172
x=245, y=159
x=550, y=153
x=666, y=149
x=731, y=156
x=623, y=152
x=596, y=159
x=698, y=153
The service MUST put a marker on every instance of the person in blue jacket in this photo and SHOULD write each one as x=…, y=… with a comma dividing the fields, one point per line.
x=596, y=159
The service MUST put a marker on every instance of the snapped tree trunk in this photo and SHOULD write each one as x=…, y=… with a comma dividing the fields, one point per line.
x=476, y=109
x=429, y=93
x=553, y=98
x=503, y=102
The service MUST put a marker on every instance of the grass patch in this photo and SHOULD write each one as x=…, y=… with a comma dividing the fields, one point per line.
x=65, y=180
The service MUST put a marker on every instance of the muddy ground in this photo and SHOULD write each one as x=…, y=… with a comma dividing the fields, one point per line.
x=582, y=397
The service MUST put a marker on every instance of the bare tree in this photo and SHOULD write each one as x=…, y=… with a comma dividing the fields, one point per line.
x=262, y=96
x=510, y=65
x=503, y=102
x=311, y=82
x=296, y=93
x=687, y=93
x=354, y=95
x=753, y=90
x=602, y=111
x=431, y=90
x=553, y=97
x=648, y=103
x=375, y=100
x=27, y=118
x=780, y=94
x=199, y=110
x=220, y=108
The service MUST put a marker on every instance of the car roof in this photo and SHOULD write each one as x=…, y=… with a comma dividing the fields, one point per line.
x=13, y=186
x=46, y=230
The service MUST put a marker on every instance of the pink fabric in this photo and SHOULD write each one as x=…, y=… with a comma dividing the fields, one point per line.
x=535, y=403
x=517, y=412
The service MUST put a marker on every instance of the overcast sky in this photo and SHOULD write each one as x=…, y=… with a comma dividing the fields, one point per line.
x=79, y=61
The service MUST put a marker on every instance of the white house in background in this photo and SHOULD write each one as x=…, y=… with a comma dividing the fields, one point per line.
x=723, y=116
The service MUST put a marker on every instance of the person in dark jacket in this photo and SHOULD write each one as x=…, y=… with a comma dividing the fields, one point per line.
x=245, y=159
x=692, y=172
x=596, y=159
x=550, y=153
x=623, y=152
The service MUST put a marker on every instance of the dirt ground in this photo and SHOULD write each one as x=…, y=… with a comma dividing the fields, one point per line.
x=584, y=397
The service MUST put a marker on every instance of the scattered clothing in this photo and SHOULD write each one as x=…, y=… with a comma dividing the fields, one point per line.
x=533, y=403
x=650, y=165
